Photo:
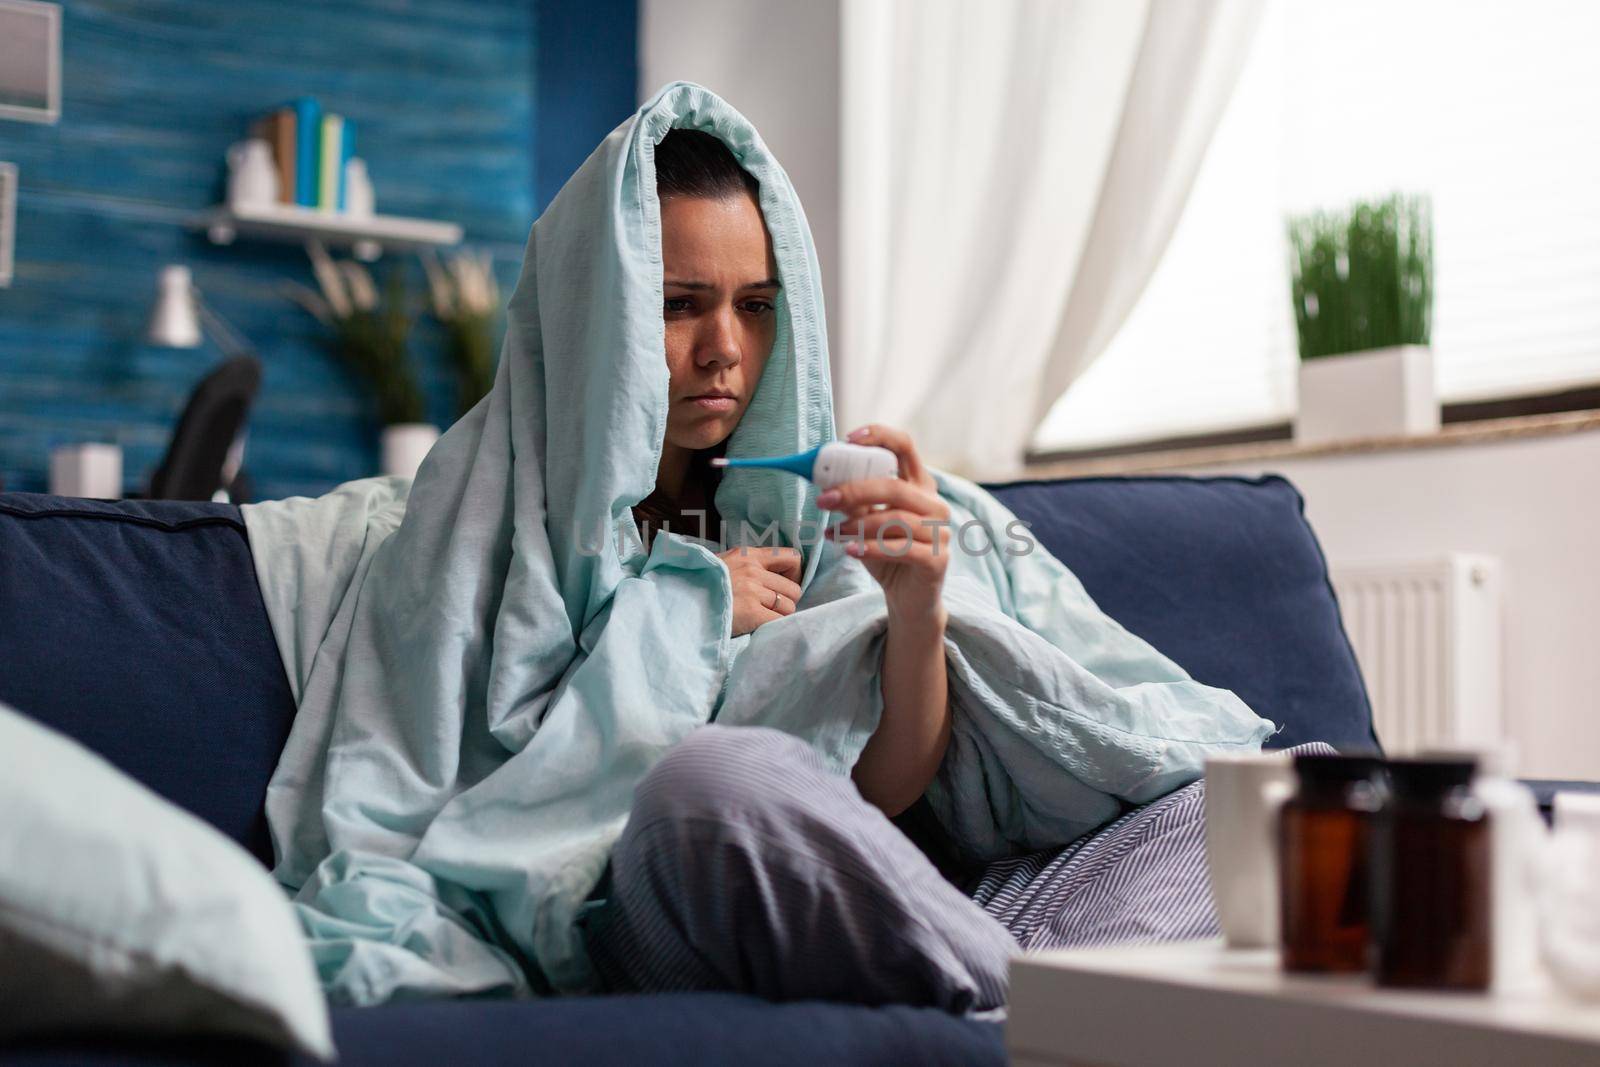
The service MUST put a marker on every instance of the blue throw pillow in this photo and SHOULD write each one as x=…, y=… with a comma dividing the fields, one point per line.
x=1224, y=576
x=137, y=628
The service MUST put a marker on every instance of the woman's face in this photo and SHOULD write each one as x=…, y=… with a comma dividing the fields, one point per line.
x=720, y=284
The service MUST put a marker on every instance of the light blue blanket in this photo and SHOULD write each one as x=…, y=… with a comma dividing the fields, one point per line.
x=487, y=661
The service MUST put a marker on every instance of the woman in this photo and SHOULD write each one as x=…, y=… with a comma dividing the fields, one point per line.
x=548, y=740
x=691, y=823
x=720, y=286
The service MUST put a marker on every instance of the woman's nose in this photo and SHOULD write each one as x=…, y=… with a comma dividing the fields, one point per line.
x=718, y=341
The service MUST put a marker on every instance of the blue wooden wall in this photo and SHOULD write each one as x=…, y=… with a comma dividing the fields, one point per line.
x=445, y=100
x=586, y=82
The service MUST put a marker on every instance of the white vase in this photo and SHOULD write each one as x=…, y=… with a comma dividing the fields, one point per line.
x=252, y=177
x=405, y=445
x=1387, y=392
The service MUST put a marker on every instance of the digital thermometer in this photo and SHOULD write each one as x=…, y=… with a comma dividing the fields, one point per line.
x=828, y=465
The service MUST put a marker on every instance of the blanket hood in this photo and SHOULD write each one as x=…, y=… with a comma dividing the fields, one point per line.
x=584, y=367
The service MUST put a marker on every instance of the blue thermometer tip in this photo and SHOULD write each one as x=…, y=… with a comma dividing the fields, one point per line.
x=801, y=463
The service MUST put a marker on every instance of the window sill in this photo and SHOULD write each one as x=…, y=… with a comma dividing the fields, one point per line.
x=1479, y=431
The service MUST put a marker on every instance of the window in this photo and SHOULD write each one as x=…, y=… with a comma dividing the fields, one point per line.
x=1491, y=107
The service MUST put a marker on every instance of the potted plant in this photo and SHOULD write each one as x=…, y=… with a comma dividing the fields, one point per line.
x=466, y=300
x=370, y=336
x=1363, y=300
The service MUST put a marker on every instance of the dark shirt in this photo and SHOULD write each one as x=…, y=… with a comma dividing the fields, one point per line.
x=660, y=512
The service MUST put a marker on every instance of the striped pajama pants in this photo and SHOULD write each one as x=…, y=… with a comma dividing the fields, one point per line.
x=746, y=865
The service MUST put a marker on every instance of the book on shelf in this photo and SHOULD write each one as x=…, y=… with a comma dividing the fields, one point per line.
x=307, y=145
x=337, y=139
x=277, y=129
x=328, y=163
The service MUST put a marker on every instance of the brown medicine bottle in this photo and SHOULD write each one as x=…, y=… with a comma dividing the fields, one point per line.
x=1324, y=832
x=1432, y=878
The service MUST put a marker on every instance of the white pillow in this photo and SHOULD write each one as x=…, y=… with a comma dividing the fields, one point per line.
x=120, y=911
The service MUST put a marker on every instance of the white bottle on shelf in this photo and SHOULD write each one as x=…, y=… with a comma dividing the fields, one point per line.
x=1569, y=924
x=358, y=198
x=1518, y=840
x=1517, y=844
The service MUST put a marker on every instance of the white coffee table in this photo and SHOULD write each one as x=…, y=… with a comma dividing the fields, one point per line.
x=1195, y=1003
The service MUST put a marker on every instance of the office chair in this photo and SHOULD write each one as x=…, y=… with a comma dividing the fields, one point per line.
x=208, y=445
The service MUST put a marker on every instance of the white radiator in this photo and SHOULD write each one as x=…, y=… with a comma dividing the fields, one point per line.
x=1427, y=635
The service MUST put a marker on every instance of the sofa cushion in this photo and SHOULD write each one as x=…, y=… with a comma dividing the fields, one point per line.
x=1221, y=574
x=133, y=915
x=692, y=1029
x=138, y=629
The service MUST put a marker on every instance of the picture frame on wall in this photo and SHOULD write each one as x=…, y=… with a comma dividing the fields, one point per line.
x=30, y=61
x=8, y=220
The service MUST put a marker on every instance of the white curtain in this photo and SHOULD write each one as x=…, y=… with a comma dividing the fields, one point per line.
x=1011, y=172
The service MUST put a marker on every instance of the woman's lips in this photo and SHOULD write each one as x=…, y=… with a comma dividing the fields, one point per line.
x=713, y=403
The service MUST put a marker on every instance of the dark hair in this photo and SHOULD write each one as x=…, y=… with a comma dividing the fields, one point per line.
x=697, y=164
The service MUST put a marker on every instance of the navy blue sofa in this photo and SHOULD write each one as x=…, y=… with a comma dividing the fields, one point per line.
x=138, y=628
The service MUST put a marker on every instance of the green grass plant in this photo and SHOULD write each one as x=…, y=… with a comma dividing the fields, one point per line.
x=1362, y=278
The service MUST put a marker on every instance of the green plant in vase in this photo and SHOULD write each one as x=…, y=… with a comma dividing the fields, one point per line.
x=370, y=334
x=1362, y=285
x=1363, y=278
x=466, y=301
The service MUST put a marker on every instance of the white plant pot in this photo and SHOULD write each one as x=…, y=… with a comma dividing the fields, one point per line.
x=405, y=445
x=1387, y=392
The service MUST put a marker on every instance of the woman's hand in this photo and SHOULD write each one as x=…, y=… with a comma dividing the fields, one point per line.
x=766, y=584
x=898, y=527
x=900, y=530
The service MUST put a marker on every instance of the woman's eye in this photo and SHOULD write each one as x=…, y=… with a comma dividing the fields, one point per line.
x=758, y=307
x=678, y=303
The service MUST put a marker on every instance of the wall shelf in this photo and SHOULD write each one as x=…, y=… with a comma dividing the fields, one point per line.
x=366, y=237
